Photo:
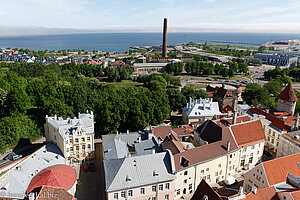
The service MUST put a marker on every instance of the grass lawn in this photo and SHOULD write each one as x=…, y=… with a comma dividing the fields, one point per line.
x=125, y=83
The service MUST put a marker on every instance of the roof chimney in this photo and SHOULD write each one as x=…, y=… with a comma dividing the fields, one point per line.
x=228, y=146
x=234, y=115
x=254, y=189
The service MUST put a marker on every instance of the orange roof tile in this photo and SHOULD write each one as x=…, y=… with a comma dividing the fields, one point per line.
x=48, y=193
x=277, y=169
x=296, y=194
x=226, y=121
x=162, y=131
x=248, y=132
x=268, y=193
x=288, y=94
x=206, y=152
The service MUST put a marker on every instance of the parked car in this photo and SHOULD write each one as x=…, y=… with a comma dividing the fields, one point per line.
x=92, y=167
x=12, y=156
x=85, y=167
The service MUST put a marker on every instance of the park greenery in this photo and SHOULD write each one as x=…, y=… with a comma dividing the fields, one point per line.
x=200, y=68
x=266, y=96
x=30, y=91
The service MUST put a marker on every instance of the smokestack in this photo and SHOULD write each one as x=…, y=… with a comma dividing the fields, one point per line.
x=164, y=47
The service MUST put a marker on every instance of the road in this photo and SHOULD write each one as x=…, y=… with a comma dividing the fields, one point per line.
x=91, y=185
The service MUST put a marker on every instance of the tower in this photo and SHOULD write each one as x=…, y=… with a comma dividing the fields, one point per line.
x=287, y=100
x=164, y=45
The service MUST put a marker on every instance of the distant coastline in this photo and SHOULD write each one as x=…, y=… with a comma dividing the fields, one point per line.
x=121, y=42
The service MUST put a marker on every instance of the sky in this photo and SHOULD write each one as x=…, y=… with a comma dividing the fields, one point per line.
x=56, y=16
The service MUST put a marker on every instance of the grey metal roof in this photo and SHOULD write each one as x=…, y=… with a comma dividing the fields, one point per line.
x=66, y=127
x=16, y=181
x=149, y=64
x=137, y=171
x=119, y=145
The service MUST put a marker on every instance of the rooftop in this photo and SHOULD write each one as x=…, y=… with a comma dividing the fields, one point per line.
x=19, y=177
x=288, y=94
x=201, y=107
x=137, y=171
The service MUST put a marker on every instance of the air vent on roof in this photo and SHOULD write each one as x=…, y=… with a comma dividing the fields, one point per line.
x=128, y=178
x=155, y=173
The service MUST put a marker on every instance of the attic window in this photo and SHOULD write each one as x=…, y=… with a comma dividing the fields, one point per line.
x=155, y=173
x=128, y=178
x=184, y=162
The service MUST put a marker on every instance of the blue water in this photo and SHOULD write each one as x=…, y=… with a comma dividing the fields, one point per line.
x=121, y=42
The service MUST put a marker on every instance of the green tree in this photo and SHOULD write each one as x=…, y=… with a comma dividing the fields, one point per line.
x=176, y=99
x=274, y=87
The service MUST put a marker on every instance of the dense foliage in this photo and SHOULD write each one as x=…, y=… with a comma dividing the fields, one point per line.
x=29, y=92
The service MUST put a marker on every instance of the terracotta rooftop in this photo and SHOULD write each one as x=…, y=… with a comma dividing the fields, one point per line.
x=182, y=131
x=239, y=90
x=248, y=132
x=228, y=108
x=50, y=193
x=172, y=143
x=268, y=193
x=118, y=63
x=60, y=175
x=206, y=152
x=161, y=132
x=288, y=94
x=224, y=93
x=204, y=189
x=277, y=169
x=226, y=121
x=282, y=124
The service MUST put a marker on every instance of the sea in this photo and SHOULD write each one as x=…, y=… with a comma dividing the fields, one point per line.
x=121, y=42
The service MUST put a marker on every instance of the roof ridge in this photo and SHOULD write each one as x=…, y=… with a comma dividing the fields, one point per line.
x=284, y=157
x=241, y=123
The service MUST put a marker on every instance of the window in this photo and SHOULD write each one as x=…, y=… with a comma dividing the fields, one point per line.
x=130, y=194
x=161, y=187
x=251, y=154
x=123, y=194
x=116, y=196
x=54, y=137
x=229, y=168
x=88, y=139
x=242, y=162
x=195, y=113
x=142, y=190
x=71, y=149
x=178, y=192
x=257, y=152
x=269, y=138
x=67, y=149
x=167, y=197
x=82, y=139
x=167, y=186
x=208, y=177
x=230, y=156
x=220, y=165
x=185, y=181
x=153, y=198
x=76, y=140
x=229, y=162
x=269, y=131
x=185, y=173
x=259, y=144
x=250, y=160
x=89, y=146
x=207, y=169
x=245, y=149
x=202, y=171
x=71, y=141
x=252, y=147
x=83, y=147
x=153, y=188
x=263, y=181
x=216, y=174
x=220, y=172
x=190, y=186
x=272, y=141
x=77, y=148
x=204, y=177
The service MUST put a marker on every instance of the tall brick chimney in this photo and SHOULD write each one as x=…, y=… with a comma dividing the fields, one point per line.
x=164, y=45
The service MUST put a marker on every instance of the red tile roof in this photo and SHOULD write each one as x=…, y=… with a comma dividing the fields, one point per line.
x=295, y=194
x=204, y=189
x=173, y=144
x=182, y=131
x=239, y=90
x=50, y=193
x=223, y=93
x=227, y=121
x=248, y=132
x=228, y=108
x=277, y=169
x=206, y=152
x=60, y=175
x=284, y=125
x=288, y=94
x=161, y=132
x=118, y=63
x=268, y=193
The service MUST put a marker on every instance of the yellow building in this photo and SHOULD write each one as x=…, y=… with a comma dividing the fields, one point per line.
x=74, y=137
x=145, y=68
